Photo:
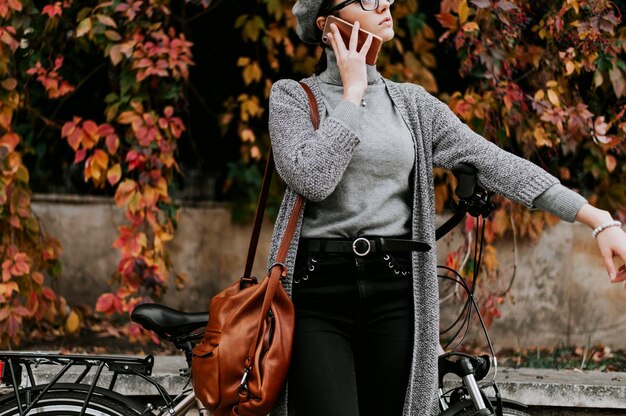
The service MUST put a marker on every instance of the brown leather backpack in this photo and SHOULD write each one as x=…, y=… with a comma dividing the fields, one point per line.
x=242, y=363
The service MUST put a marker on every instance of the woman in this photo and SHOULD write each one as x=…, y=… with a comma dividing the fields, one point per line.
x=364, y=289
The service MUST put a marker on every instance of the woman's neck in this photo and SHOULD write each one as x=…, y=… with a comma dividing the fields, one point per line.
x=331, y=74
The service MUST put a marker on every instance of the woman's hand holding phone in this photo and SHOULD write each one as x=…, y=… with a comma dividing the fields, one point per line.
x=351, y=62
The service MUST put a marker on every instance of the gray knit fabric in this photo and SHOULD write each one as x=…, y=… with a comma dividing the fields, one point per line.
x=561, y=202
x=372, y=197
x=312, y=163
x=305, y=12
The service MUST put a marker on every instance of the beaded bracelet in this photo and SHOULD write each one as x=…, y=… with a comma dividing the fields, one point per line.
x=604, y=226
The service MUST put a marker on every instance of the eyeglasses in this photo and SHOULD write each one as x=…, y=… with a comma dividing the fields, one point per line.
x=366, y=5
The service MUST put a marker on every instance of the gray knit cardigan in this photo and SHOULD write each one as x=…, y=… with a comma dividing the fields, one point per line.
x=312, y=163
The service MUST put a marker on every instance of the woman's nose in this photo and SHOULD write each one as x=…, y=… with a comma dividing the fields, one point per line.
x=383, y=5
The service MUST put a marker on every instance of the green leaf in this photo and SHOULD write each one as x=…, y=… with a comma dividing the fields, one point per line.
x=241, y=20
x=83, y=27
x=127, y=81
x=259, y=22
x=415, y=22
x=113, y=35
x=110, y=98
x=274, y=8
x=111, y=112
x=83, y=13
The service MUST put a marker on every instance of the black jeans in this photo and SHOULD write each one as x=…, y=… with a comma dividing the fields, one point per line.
x=353, y=338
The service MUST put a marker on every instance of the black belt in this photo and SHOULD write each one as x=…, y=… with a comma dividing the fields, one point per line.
x=361, y=246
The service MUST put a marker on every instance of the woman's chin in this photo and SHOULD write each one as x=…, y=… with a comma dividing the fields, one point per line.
x=387, y=35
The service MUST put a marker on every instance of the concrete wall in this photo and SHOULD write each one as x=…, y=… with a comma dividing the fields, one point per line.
x=561, y=292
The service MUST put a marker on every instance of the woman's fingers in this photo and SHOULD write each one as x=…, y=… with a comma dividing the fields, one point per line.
x=354, y=36
x=612, y=243
x=336, y=40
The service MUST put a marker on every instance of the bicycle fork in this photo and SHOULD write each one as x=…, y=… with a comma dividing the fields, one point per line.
x=465, y=369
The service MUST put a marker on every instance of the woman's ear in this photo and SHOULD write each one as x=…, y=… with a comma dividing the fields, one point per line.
x=320, y=22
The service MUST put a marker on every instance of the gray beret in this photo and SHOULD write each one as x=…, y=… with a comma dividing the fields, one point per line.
x=306, y=12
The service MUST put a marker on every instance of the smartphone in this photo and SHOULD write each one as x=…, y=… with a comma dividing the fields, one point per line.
x=345, y=29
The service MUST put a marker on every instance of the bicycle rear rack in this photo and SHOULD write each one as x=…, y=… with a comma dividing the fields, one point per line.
x=14, y=362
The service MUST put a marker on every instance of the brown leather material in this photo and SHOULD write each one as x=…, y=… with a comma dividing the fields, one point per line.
x=258, y=216
x=241, y=364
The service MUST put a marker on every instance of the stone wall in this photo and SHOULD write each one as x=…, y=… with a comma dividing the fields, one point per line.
x=560, y=295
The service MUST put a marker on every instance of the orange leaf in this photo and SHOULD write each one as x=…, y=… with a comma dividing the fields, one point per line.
x=463, y=11
x=127, y=117
x=125, y=191
x=90, y=134
x=447, y=20
x=500, y=222
x=38, y=278
x=101, y=159
x=471, y=27
x=9, y=84
x=611, y=163
x=10, y=141
x=114, y=174
x=72, y=323
x=115, y=54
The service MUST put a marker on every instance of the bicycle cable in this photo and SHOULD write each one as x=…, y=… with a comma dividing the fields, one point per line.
x=470, y=303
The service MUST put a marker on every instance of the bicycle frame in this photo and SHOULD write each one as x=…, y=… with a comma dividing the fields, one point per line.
x=14, y=362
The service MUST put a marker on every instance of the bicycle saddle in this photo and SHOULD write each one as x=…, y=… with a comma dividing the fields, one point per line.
x=166, y=321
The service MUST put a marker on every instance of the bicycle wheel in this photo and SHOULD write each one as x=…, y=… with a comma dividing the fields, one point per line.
x=466, y=408
x=505, y=412
x=69, y=403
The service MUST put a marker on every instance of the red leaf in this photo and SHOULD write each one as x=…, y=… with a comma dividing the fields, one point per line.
x=69, y=127
x=75, y=138
x=48, y=293
x=106, y=130
x=10, y=141
x=112, y=143
x=106, y=303
x=53, y=9
x=80, y=156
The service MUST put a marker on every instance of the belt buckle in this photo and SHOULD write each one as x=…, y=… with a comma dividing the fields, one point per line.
x=354, y=246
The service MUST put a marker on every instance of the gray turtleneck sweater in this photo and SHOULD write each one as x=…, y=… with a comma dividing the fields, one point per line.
x=372, y=197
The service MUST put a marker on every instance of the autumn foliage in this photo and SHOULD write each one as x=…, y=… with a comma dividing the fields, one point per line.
x=133, y=147
x=130, y=147
x=545, y=80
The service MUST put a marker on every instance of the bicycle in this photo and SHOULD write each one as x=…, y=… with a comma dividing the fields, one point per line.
x=79, y=397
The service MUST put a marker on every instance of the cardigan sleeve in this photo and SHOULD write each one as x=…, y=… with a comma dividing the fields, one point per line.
x=560, y=201
x=453, y=142
x=311, y=162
